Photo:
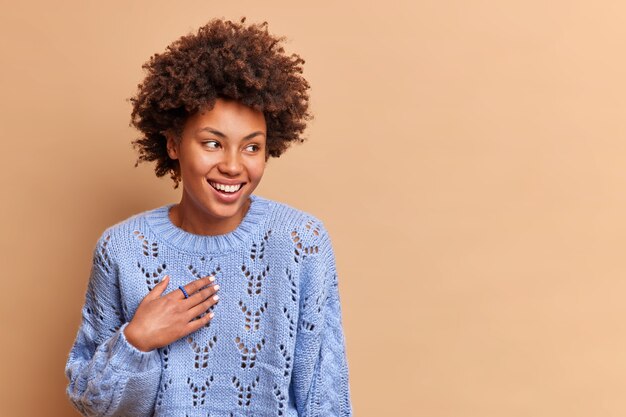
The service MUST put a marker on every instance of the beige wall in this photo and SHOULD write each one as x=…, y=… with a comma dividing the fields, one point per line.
x=468, y=158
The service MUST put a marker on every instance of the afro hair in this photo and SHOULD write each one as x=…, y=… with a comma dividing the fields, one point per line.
x=223, y=59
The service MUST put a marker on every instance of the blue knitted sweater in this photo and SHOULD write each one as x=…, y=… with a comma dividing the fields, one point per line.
x=275, y=346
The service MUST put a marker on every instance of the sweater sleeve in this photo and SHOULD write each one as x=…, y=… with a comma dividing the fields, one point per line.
x=320, y=370
x=107, y=375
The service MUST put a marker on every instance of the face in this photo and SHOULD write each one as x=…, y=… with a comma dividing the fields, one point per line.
x=222, y=160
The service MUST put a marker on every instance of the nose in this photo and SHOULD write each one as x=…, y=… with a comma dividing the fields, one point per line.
x=230, y=164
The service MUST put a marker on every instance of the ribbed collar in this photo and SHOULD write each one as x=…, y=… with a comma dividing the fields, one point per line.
x=159, y=221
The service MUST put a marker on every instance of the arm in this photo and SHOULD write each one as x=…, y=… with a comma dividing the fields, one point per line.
x=320, y=371
x=107, y=375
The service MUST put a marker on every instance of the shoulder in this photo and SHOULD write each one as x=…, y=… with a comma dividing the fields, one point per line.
x=294, y=218
x=120, y=235
x=300, y=225
x=305, y=232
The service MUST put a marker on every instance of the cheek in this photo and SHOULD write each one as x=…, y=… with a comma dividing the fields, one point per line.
x=198, y=163
x=257, y=169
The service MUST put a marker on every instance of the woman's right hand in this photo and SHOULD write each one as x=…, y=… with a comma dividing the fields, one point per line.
x=160, y=320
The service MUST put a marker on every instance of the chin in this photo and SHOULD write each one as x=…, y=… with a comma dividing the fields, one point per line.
x=225, y=212
x=230, y=209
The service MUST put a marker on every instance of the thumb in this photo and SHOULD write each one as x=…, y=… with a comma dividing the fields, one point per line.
x=159, y=288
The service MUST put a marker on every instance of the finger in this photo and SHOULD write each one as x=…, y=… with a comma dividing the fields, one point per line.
x=159, y=288
x=201, y=295
x=202, y=307
x=192, y=326
x=198, y=284
x=192, y=287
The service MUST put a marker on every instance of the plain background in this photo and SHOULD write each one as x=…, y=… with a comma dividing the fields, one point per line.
x=467, y=157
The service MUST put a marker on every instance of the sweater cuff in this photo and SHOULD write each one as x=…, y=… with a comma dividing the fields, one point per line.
x=127, y=358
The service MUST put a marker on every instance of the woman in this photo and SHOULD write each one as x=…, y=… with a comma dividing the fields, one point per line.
x=225, y=304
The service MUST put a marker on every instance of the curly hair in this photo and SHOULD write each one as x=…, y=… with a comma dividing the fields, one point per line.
x=222, y=60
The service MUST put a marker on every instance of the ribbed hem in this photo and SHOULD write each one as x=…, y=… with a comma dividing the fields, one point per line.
x=126, y=357
x=159, y=221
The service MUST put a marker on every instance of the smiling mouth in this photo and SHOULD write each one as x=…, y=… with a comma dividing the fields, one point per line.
x=226, y=189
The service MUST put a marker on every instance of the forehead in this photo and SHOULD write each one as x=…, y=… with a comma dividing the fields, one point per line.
x=229, y=117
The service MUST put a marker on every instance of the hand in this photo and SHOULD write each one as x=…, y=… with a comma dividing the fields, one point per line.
x=160, y=320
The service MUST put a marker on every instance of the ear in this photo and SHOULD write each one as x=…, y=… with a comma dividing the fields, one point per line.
x=172, y=144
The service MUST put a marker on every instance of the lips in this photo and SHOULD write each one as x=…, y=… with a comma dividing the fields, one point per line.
x=226, y=197
x=226, y=188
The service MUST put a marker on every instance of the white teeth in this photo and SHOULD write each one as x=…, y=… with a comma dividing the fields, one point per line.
x=227, y=188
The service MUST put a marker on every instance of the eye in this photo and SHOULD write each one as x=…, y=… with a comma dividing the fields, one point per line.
x=207, y=143
x=256, y=147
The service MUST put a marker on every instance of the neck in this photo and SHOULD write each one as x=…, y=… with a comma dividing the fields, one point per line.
x=191, y=218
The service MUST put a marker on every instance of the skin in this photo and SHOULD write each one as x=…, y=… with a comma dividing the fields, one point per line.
x=205, y=155
x=226, y=143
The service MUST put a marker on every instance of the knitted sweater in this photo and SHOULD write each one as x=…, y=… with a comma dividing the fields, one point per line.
x=275, y=346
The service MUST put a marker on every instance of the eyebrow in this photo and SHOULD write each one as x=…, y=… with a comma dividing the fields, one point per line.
x=220, y=134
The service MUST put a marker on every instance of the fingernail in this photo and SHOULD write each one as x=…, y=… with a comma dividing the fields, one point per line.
x=217, y=287
x=211, y=278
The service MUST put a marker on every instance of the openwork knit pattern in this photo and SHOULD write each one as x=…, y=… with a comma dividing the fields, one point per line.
x=275, y=346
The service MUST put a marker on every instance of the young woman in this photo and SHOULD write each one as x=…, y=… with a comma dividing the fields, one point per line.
x=225, y=304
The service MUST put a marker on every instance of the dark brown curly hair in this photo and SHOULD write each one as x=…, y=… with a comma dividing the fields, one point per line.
x=222, y=60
